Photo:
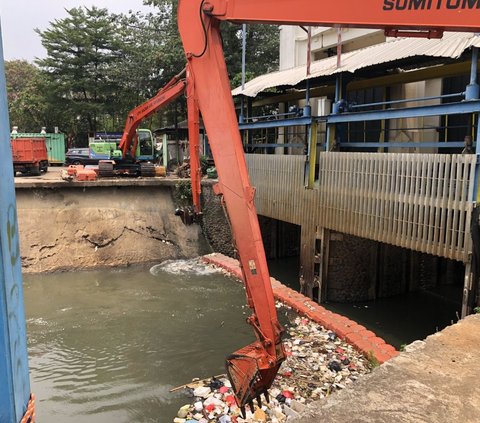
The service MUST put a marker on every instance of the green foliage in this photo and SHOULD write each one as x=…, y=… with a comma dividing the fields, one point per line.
x=183, y=193
x=22, y=94
x=262, y=52
x=204, y=164
x=100, y=65
x=476, y=310
x=82, y=49
x=372, y=360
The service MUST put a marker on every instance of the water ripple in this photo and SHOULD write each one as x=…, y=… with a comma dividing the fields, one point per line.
x=183, y=267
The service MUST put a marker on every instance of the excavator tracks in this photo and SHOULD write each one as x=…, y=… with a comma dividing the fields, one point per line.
x=147, y=169
x=105, y=169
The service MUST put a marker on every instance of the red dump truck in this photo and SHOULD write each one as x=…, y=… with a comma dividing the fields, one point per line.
x=29, y=155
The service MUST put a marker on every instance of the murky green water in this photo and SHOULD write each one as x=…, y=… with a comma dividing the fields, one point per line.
x=107, y=346
x=399, y=320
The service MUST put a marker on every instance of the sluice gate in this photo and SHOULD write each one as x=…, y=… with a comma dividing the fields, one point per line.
x=421, y=202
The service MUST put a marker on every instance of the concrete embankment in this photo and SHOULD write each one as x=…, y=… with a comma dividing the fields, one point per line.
x=70, y=226
x=432, y=381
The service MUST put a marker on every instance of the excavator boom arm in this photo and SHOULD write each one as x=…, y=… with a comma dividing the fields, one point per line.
x=436, y=15
x=253, y=368
x=170, y=92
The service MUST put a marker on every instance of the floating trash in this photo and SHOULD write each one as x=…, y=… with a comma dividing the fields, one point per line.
x=318, y=363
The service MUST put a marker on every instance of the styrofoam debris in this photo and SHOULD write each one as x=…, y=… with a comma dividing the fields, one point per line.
x=317, y=364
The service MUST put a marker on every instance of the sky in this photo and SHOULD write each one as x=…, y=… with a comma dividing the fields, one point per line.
x=19, y=18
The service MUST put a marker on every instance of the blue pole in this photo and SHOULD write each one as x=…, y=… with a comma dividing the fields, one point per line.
x=473, y=89
x=14, y=381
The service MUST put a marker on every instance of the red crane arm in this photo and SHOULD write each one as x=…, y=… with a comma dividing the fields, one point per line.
x=170, y=92
x=253, y=368
x=194, y=142
x=436, y=15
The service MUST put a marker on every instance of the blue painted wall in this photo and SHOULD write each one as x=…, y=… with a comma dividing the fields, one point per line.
x=14, y=379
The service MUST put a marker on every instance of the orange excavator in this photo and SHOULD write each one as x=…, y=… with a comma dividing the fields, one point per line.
x=169, y=93
x=253, y=368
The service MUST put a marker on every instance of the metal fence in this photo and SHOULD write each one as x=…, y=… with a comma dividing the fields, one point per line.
x=418, y=201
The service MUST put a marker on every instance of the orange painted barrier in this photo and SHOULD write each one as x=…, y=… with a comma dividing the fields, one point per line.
x=365, y=341
x=29, y=416
x=86, y=175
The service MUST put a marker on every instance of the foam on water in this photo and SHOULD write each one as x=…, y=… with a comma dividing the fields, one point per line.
x=183, y=267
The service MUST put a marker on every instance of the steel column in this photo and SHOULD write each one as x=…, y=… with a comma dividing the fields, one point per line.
x=473, y=90
x=476, y=197
x=14, y=380
x=312, y=155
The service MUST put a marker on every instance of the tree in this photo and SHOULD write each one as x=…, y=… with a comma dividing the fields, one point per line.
x=19, y=76
x=28, y=97
x=82, y=49
x=262, y=52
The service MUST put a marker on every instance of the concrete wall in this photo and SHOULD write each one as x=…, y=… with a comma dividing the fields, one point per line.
x=214, y=223
x=360, y=269
x=351, y=268
x=79, y=228
x=294, y=43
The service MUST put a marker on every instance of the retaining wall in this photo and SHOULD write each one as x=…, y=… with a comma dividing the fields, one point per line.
x=69, y=227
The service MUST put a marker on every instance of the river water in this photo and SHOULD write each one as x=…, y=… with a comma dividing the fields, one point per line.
x=107, y=346
x=400, y=319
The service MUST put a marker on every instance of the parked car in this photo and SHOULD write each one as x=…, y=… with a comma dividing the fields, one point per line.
x=79, y=156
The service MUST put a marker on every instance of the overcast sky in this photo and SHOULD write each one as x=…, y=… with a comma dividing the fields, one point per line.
x=19, y=18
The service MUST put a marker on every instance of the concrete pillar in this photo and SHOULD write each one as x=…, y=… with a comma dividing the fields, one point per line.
x=467, y=290
x=14, y=381
x=323, y=258
x=307, y=254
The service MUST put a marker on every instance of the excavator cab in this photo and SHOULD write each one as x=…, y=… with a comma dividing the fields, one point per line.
x=146, y=145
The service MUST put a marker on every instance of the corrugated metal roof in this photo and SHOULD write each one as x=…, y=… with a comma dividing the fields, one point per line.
x=452, y=45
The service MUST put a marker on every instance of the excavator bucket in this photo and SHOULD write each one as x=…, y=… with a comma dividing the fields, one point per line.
x=251, y=371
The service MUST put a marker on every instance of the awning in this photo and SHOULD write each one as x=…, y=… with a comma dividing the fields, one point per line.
x=452, y=46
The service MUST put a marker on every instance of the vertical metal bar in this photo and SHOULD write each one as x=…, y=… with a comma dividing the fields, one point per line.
x=473, y=89
x=14, y=385
x=338, y=88
x=165, y=150
x=307, y=97
x=312, y=158
x=244, y=54
x=475, y=197
x=467, y=287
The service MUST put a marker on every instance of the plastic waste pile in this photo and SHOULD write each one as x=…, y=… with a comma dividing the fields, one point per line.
x=318, y=363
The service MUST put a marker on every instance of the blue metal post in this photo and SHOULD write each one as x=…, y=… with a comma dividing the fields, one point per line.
x=473, y=90
x=307, y=110
x=14, y=381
